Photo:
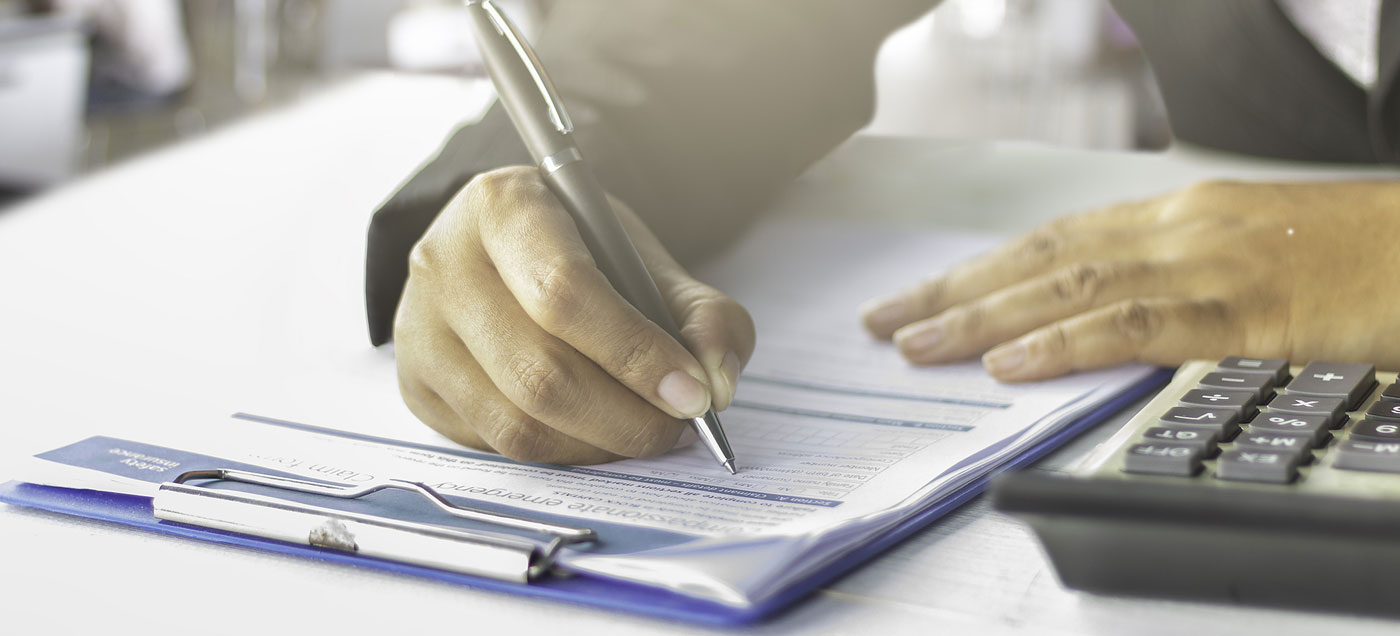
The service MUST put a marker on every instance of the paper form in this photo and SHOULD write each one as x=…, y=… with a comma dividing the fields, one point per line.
x=836, y=436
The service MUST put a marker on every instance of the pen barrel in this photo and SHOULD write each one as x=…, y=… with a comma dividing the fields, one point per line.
x=583, y=196
x=525, y=90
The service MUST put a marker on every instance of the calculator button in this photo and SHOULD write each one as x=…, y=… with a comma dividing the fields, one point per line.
x=1351, y=382
x=1262, y=386
x=1366, y=455
x=1296, y=443
x=1385, y=410
x=1163, y=459
x=1392, y=391
x=1274, y=368
x=1278, y=467
x=1223, y=422
x=1314, y=426
x=1376, y=430
x=1241, y=402
x=1200, y=437
x=1330, y=407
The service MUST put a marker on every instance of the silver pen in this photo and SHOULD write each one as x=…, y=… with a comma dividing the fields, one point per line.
x=544, y=126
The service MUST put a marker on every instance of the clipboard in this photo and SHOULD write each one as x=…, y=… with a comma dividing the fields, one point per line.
x=525, y=566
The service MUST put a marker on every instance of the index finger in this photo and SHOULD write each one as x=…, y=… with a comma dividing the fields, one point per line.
x=1104, y=233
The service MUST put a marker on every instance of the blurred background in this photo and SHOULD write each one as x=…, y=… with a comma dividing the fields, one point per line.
x=85, y=84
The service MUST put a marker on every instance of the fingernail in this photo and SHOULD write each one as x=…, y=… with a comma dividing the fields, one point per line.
x=729, y=370
x=685, y=394
x=1005, y=359
x=921, y=338
x=884, y=314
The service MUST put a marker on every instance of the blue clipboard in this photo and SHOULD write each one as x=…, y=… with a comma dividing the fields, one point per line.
x=610, y=594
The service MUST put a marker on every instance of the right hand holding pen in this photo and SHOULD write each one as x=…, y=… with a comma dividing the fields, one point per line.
x=509, y=338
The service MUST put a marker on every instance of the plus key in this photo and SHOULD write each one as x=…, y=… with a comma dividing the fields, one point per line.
x=1351, y=382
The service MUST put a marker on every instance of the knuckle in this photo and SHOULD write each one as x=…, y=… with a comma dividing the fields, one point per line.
x=495, y=194
x=634, y=355
x=1054, y=341
x=505, y=182
x=1079, y=283
x=539, y=385
x=1137, y=321
x=425, y=258
x=970, y=317
x=1041, y=247
x=700, y=303
x=695, y=296
x=557, y=303
x=929, y=293
x=522, y=438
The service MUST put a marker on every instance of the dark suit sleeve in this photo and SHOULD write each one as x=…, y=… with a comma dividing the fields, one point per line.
x=695, y=113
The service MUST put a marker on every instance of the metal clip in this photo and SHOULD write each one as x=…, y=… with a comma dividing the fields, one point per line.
x=500, y=556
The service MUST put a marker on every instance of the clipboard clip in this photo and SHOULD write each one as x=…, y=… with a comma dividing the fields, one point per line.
x=477, y=552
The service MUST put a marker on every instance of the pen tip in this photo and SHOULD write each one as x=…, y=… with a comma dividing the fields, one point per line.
x=730, y=466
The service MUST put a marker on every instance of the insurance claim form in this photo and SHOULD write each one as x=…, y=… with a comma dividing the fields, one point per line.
x=836, y=436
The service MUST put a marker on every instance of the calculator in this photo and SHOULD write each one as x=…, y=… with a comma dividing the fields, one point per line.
x=1245, y=480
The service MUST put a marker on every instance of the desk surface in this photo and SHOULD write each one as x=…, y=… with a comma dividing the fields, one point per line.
x=226, y=275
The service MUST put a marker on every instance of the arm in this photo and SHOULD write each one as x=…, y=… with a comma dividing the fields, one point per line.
x=509, y=337
x=695, y=114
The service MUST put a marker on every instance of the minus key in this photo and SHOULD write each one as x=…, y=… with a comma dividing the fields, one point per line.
x=1261, y=385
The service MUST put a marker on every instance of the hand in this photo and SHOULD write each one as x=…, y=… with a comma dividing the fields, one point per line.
x=1300, y=271
x=508, y=337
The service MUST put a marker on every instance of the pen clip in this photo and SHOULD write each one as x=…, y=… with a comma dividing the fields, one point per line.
x=507, y=29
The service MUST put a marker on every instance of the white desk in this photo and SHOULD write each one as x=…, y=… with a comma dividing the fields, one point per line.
x=226, y=275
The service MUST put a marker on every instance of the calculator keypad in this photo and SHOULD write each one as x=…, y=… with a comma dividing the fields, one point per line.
x=1250, y=420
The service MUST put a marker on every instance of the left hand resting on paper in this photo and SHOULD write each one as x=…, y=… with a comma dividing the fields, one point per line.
x=1301, y=271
